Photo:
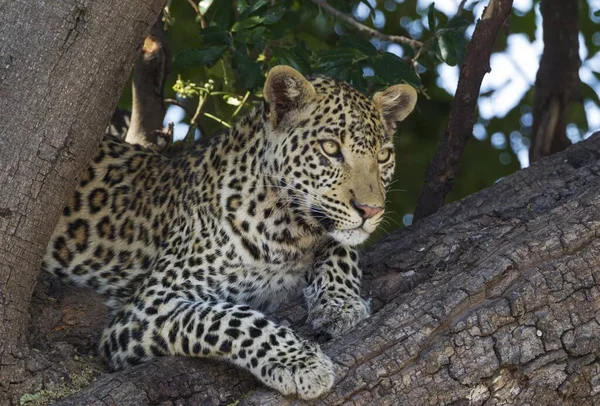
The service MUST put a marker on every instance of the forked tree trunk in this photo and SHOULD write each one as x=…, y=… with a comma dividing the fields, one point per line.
x=492, y=300
x=445, y=164
x=62, y=67
x=557, y=83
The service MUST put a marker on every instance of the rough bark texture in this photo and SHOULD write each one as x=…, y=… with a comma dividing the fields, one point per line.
x=148, y=107
x=445, y=164
x=56, y=96
x=494, y=299
x=557, y=82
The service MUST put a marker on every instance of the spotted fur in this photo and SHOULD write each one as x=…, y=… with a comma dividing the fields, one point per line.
x=187, y=250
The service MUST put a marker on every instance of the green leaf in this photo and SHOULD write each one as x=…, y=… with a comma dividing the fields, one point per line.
x=247, y=23
x=258, y=36
x=286, y=24
x=357, y=79
x=247, y=70
x=220, y=14
x=458, y=22
x=428, y=60
x=341, y=72
x=328, y=59
x=241, y=6
x=215, y=36
x=298, y=57
x=255, y=38
x=445, y=49
x=390, y=69
x=197, y=57
x=274, y=14
x=361, y=44
x=597, y=13
x=311, y=41
x=344, y=6
x=431, y=17
x=247, y=12
x=460, y=45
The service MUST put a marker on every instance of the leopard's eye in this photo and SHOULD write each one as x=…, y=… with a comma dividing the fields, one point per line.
x=331, y=148
x=384, y=155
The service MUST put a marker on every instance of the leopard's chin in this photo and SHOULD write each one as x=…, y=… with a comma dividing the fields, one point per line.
x=350, y=237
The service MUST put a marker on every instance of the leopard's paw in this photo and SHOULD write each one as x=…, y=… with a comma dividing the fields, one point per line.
x=307, y=373
x=337, y=315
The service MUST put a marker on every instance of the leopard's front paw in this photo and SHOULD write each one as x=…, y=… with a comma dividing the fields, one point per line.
x=336, y=315
x=308, y=373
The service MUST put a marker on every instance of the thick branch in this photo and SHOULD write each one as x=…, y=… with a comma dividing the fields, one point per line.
x=445, y=164
x=149, y=77
x=492, y=298
x=365, y=30
x=557, y=82
x=55, y=101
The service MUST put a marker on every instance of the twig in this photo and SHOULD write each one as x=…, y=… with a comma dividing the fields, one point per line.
x=461, y=7
x=445, y=164
x=241, y=105
x=225, y=79
x=189, y=139
x=194, y=6
x=198, y=109
x=368, y=31
x=218, y=120
x=198, y=13
x=180, y=104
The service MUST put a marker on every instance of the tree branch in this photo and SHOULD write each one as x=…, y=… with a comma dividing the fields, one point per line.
x=182, y=105
x=367, y=31
x=557, y=81
x=490, y=298
x=445, y=164
x=149, y=77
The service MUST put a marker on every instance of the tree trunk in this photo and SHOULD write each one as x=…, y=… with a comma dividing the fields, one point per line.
x=62, y=67
x=148, y=107
x=445, y=164
x=557, y=82
x=494, y=299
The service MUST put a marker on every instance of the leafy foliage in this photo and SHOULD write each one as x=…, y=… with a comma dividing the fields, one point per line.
x=233, y=43
x=263, y=35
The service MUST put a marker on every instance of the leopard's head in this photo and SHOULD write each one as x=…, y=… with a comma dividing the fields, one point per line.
x=331, y=149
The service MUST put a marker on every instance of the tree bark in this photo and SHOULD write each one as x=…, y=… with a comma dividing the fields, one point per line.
x=148, y=108
x=557, y=82
x=62, y=67
x=444, y=166
x=494, y=299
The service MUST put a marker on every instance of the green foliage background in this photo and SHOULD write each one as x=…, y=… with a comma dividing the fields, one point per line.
x=244, y=38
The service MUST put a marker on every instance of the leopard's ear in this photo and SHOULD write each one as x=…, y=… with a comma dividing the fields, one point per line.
x=395, y=103
x=286, y=90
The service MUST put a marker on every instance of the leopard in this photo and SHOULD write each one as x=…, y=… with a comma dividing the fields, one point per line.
x=192, y=251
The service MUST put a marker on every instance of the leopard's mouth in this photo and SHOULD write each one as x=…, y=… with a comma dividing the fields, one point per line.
x=351, y=237
x=327, y=222
x=348, y=236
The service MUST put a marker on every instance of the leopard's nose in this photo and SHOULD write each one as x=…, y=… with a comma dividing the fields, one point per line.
x=365, y=210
